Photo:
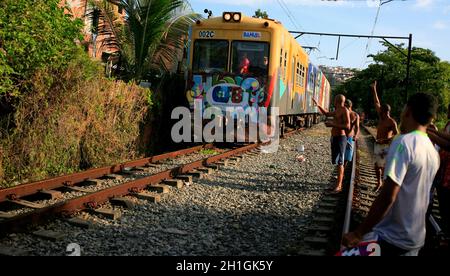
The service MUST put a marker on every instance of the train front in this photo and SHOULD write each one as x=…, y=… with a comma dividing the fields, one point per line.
x=228, y=76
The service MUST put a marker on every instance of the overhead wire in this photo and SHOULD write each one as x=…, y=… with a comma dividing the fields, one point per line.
x=371, y=33
x=290, y=16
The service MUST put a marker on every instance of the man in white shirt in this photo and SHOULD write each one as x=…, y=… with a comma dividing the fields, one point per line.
x=397, y=217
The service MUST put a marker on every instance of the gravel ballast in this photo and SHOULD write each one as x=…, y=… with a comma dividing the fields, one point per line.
x=258, y=207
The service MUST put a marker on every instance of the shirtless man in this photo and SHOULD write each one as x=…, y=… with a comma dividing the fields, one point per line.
x=352, y=134
x=340, y=124
x=386, y=130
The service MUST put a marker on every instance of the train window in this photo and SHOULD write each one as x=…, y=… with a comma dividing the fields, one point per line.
x=281, y=58
x=281, y=63
x=306, y=80
x=285, y=65
x=293, y=77
x=250, y=57
x=301, y=75
x=210, y=56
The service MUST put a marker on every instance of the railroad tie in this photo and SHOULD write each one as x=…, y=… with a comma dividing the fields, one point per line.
x=113, y=176
x=12, y=251
x=50, y=194
x=80, y=222
x=197, y=174
x=213, y=167
x=325, y=211
x=177, y=183
x=223, y=163
x=159, y=188
x=151, y=165
x=140, y=169
x=187, y=179
x=152, y=197
x=5, y=215
x=130, y=172
x=108, y=213
x=122, y=201
x=93, y=181
x=311, y=252
x=317, y=240
x=78, y=189
x=27, y=203
x=323, y=220
x=205, y=170
x=49, y=235
x=327, y=204
x=321, y=228
x=330, y=199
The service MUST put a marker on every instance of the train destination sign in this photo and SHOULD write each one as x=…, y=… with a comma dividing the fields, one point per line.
x=254, y=35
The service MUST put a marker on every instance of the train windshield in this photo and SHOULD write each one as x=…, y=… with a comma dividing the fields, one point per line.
x=210, y=56
x=250, y=57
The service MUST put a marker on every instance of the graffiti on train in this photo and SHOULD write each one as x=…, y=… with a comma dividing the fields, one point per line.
x=227, y=91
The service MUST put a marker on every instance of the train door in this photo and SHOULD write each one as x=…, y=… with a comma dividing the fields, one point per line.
x=317, y=86
x=310, y=88
x=322, y=91
x=292, y=86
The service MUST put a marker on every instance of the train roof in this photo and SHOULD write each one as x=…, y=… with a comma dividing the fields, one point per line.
x=246, y=22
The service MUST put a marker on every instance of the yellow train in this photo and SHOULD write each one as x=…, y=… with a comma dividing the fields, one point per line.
x=235, y=60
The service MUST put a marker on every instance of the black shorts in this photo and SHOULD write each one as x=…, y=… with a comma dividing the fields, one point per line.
x=338, y=145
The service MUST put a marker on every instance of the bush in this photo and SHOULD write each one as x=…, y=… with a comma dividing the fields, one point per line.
x=62, y=114
x=71, y=122
x=34, y=35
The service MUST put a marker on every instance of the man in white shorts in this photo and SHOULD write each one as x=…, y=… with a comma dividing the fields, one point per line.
x=386, y=130
x=380, y=151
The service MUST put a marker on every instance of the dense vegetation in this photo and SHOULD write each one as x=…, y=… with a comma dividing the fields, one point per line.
x=151, y=39
x=34, y=35
x=428, y=74
x=58, y=113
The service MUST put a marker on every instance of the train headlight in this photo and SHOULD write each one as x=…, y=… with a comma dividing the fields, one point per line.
x=237, y=16
x=226, y=16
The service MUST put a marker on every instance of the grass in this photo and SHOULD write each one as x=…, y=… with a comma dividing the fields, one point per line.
x=208, y=152
x=71, y=123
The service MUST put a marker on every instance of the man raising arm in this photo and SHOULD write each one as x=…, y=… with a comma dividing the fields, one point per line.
x=386, y=130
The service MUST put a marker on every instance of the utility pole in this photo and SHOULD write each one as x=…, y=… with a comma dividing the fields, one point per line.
x=408, y=67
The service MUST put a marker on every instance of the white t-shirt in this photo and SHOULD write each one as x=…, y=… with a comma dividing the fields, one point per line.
x=412, y=163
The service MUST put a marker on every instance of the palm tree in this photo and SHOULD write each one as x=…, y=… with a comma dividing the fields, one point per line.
x=149, y=33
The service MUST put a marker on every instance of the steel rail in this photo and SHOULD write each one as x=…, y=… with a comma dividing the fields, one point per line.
x=70, y=179
x=349, y=203
x=348, y=210
x=19, y=222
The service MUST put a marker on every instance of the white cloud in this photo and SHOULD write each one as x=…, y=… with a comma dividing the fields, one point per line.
x=440, y=25
x=447, y=10
x=423, y=3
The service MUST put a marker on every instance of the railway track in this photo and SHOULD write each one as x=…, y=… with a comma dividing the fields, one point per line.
x=365, y=181
x=335, y=214
x=33, y=203
x=25, y=206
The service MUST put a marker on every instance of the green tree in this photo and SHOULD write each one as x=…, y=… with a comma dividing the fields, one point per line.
x=261, y=14
x=153, y=32
x=34, y=35
x=428, y=74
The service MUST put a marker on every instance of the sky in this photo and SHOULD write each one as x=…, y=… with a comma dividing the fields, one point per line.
x=427, y=20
